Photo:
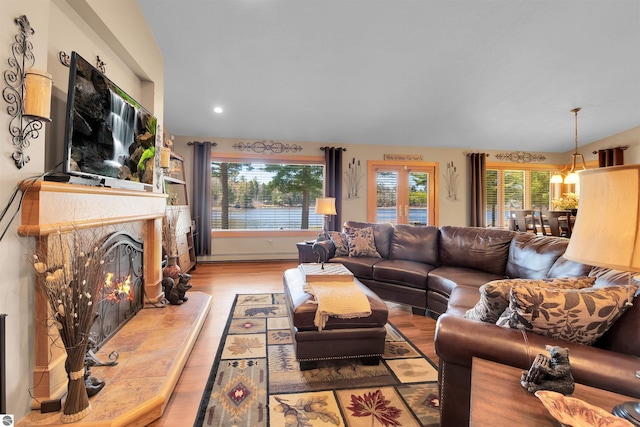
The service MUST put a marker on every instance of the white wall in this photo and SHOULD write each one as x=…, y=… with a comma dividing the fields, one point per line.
x=116, y=31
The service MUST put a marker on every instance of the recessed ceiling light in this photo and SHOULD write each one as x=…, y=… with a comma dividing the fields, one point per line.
x=217, y=110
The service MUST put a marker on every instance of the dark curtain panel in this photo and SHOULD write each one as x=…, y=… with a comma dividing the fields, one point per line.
x=478, y=172
x=201, y=206
x=333, y=183
x=611, y=157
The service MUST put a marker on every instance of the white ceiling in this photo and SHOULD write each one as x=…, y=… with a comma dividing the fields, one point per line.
x=500, y=74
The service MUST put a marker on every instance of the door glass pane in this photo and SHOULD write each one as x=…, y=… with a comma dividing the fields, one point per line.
x=387, y=197
x=418, y=199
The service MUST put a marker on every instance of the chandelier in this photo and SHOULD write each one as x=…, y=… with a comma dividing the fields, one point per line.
x=571, y=176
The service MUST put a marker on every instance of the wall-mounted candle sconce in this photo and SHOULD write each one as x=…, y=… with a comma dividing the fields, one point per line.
x=165, y=157
x=28, y=93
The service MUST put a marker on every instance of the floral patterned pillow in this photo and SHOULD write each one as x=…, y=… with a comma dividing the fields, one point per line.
x=494, y=296
x=340, y=242
x=361, y=242
x=578, y=315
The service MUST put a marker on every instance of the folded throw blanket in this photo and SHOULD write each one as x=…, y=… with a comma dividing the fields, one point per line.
x=340, y=299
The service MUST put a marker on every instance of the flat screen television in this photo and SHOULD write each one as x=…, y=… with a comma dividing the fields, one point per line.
x=109, y=136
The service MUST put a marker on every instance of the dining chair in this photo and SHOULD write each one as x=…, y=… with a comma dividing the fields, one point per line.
x=524, y=220
x=558, y=222
x=571, y=219
x=541, y=223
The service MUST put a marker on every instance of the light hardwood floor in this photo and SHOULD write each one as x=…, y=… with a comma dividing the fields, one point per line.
x=223, y=281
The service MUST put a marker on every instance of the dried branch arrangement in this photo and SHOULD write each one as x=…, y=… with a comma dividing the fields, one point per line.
x=70, y=272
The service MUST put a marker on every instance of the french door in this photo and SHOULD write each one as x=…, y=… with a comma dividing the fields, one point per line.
x=402, y=192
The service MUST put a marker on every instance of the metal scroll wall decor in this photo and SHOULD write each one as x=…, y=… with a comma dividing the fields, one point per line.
x=274, y=147
x=28, y=93
x=66, y=61
x=521, y=157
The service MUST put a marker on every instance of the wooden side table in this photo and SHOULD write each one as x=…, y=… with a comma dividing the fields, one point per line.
x=498, y=399
x=305, y=252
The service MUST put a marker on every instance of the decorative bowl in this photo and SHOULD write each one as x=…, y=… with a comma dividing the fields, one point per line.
x=570, y=411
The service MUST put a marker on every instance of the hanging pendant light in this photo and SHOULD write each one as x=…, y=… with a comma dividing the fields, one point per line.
x=572, y=175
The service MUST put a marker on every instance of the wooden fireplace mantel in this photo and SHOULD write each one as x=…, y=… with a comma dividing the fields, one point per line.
x=53, y=207
x=50, y=207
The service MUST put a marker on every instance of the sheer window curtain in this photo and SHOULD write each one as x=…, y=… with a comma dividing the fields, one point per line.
x=201, y=206
x=333, y=182
x=478, y=199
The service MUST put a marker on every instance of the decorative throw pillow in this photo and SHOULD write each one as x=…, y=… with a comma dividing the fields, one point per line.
x=578, y=315
x=361, y=242
x=494, y=296
x=558, y=283
x=340, y=242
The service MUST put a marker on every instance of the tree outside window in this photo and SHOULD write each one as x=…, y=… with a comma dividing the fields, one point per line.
x=509, y=189
x=265, y=196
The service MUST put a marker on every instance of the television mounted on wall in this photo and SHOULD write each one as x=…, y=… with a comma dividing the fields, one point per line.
x=110, y=138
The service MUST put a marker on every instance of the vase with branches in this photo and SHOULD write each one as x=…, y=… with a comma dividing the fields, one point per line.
x=70, y=272
x=170, y=241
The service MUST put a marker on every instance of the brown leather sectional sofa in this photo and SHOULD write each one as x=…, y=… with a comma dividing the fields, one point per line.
x=440, y=270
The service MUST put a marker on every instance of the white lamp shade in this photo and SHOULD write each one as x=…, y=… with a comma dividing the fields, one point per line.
x=572, y=178
x=556, y=179
x=606, y=232
x=326, y=205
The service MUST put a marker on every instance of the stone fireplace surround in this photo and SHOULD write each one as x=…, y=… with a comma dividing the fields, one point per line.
x=50, y=207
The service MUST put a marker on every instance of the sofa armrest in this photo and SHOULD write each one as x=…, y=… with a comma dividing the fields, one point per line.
x=458, y=340
x=325, y=249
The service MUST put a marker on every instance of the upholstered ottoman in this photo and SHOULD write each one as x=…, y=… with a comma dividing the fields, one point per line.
x=360, y=337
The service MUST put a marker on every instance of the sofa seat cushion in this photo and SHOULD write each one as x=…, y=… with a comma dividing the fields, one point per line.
x=361, y=267
x=401, y=272
x=532, y=256
x=462, y=299
x=444, y=279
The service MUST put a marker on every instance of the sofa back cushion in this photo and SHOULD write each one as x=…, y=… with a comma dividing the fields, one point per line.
x=623, y=336
x=565, y=268
x=381, y=234
x=532, y=256
x=484, y=249
x=415, y=243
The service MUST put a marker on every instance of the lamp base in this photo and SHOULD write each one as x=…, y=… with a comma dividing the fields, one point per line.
x=630, y=411
x=323, y=236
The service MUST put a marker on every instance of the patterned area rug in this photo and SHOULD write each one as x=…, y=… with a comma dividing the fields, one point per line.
x=256, y=381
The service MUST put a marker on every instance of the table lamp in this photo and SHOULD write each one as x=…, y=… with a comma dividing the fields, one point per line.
x=607, y=233
x=325, y=206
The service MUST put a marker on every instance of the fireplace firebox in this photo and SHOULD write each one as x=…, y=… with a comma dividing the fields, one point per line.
x=123, y=293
